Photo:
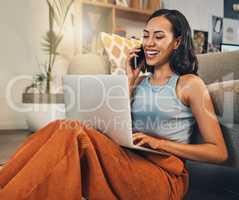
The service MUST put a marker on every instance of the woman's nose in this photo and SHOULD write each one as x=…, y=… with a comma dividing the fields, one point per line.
x=149, y=41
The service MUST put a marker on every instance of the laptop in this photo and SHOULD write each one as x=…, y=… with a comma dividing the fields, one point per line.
x=102, y=102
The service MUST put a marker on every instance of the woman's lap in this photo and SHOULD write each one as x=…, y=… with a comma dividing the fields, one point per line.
x=126, y=168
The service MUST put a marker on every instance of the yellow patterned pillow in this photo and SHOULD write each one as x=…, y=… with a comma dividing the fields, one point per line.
x=117, y=48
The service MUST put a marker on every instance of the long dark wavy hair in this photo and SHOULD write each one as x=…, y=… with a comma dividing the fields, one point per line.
x=183, y=60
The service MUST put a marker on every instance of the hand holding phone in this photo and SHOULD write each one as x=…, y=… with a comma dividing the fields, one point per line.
x=138, y=61
x=134, y=63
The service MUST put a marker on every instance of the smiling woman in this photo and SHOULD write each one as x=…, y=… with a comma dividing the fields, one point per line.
x=173, y=91
x=173, y=65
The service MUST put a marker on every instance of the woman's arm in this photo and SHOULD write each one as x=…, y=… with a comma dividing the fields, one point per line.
x=213, y=149
x=197, y=97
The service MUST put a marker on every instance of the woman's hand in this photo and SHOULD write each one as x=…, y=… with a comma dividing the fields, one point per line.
x=142, y=139
x=130, y=71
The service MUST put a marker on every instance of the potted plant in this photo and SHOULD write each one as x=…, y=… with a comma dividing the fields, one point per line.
x=46, y=106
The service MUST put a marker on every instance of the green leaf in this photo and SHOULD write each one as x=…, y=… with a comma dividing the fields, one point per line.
x=59, y=39
x=58, y=11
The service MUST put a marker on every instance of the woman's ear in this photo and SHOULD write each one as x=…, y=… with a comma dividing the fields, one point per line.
x=177, y=42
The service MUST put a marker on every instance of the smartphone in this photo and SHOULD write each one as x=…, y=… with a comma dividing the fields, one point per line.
x=136, y=61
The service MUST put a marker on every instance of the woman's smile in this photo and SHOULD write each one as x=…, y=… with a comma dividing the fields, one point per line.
x=150, y=54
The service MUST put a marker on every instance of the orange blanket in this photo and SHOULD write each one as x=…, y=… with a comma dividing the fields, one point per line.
x=67, y=160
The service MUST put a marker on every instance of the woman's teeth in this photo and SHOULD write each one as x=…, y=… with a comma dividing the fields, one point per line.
x=151, y=53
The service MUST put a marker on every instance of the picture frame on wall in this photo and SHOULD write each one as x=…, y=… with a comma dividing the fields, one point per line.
x=122, y=3
x=217, y=31
x=231, y=31
x=200, y=41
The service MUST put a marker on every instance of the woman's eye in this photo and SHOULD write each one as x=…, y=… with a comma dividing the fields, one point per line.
x=159, y=37
x=145, y=36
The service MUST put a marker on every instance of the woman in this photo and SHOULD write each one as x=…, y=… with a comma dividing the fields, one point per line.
x=169, y=53
x=67, y=160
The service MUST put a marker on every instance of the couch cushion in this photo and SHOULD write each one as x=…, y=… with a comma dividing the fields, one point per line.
x=217, y=67
x=225, y=97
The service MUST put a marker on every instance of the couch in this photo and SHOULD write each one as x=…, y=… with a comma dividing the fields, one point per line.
x=220, y=71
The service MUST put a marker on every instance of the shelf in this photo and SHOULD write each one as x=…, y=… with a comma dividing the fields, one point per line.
x=123, y=12
x=132, y=13
x=42, y=98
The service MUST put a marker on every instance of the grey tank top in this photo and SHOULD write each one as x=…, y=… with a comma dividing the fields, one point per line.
x=157, y=110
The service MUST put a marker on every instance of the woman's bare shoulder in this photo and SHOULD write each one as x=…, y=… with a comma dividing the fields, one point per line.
x=191, y=81
x=189, y=85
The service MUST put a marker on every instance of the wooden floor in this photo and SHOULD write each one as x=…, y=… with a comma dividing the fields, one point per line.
x=10, y=140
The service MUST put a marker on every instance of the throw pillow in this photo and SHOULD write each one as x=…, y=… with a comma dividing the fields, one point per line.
x=117, y=48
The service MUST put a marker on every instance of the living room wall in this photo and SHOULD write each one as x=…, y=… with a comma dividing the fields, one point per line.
x=22, y=26
x=198, y=12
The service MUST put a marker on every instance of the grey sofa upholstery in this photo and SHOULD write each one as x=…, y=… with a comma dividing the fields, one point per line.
x=220, y=71
x=218, y=67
